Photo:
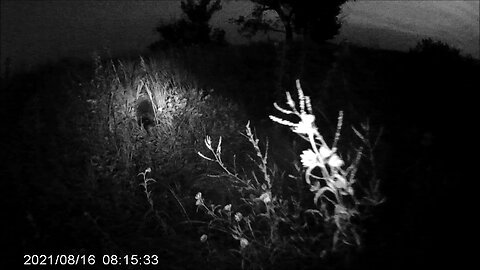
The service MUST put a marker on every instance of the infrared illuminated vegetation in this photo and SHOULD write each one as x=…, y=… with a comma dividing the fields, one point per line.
x=231, y=172
x=335, y=209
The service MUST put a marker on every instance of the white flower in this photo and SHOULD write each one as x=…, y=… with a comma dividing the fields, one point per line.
x=266, y=197
x=309, y=159
x=335, y=161
x=203, y=238
x=243, y=243
x=227, y=207
x=238, y=216
x=306, y=124
x=325, y=152
x=199, y=199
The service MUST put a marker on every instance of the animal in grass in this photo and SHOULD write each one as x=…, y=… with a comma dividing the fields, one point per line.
x=145, y=114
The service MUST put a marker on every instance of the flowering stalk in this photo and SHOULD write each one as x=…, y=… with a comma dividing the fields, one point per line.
x=320, y=155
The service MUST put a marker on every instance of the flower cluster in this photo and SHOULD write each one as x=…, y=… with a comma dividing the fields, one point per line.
x=320, y=155
x=199, y=199
x=238, y=222
x=333, y=179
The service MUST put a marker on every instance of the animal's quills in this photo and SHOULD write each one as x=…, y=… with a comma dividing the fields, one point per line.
x=145, y=114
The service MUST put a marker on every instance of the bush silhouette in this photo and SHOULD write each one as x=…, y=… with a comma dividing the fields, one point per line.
x=435, y=50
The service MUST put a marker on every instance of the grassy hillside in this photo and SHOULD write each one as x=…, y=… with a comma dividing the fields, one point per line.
x=77, y=170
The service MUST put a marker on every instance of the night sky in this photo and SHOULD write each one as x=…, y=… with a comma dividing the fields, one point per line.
x=35, y=31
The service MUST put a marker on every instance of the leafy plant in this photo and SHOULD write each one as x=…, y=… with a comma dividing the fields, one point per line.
x=269, y=224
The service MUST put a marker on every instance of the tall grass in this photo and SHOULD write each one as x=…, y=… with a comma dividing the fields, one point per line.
x=77, y=146
x=183, y=115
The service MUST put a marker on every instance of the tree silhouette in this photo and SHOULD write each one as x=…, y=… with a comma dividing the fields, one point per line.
x=314, y=20
x=317, y=20
x=194, y=29
x=199, y=13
